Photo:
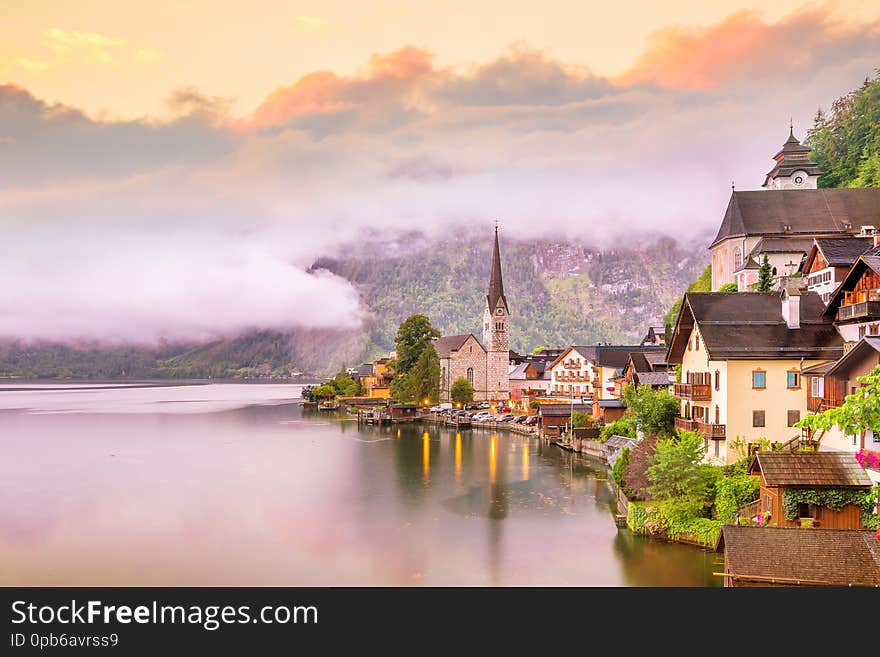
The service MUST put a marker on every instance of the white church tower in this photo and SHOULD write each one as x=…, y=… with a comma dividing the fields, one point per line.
x=794, y=169
x=496, y=332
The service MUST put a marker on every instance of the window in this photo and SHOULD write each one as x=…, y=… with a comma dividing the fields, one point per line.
x=874, y=329
x=717, y=380
x=861, y=331
x=759, y=380
x=690, y=345
x=717, y=448
x=697, y=343
x=757, y=418
x=794, y=379
x=774, y=271
x=793, y=418
x=737, y=258
x=470, y=375
x=817, y=386
x=717, y=415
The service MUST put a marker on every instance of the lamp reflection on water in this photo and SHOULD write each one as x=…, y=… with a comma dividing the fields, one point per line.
x=426, y=456
x=493, y=457
x=525, y=461
x=457, y=455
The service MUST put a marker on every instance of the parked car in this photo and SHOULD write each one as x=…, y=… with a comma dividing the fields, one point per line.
x=519, y=419
x=506, y=418
x=531, y=421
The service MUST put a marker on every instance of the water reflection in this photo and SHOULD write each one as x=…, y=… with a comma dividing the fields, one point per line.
x=268, y=495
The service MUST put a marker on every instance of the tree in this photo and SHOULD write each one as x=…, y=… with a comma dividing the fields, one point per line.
x=323, y=391
x=345, y=385
x=413, y=335
x=676, y=469
x=462, y=391
x=654, y=411
x=580, y=420
x=859, y=411
x=424, y=378
x=624, y=426
x=729, y=287
x=765, y=276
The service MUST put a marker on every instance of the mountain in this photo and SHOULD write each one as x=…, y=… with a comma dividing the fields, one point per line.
x=560, y=293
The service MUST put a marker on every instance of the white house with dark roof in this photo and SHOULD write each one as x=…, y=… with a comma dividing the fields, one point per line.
x=830, y=258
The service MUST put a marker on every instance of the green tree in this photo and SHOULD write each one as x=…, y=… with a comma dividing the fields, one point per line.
x=424, y=378
x=859, y=411
x=845, y=143
x=345, y=385
x=765, y=276
x=462, y=391
x=624, y=426
x=323, y=391
x=729, y=287
x=413, y=335
x=654, y=411
x=676, y=469
x=702, y=284
x=581, y=419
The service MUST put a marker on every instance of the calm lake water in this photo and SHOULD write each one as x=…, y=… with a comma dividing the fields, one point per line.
x=228, y=484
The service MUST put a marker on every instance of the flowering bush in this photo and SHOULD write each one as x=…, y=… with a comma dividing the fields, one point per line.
x=868, y=459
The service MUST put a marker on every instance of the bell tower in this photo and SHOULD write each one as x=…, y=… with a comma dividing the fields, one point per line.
x=794, y=169
x=496, y=331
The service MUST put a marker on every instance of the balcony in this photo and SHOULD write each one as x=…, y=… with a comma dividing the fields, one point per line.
x=571, y=364
x=708, y=429
x=693, y=391
x=858, y=310
x=819, y=404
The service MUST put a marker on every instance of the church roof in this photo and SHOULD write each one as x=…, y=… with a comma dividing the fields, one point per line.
x=782, y=245
x=792, y=145
x=449, y=343
x=804, y=212
x=496, y=282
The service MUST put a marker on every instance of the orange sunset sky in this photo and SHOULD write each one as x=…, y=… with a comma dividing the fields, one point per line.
x=160, y=158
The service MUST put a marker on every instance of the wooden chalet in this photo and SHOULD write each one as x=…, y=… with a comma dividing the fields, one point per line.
x=783, y=470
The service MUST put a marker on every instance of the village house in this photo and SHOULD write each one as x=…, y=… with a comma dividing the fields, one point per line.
x=742, y=357
x=787, y=556
x=784, y=472
x=830, y=259
x=783, y=218
x=484, y=364
x=656, y=335
x=645, y=369
x=571, y=374
x=375, y=378
x=529, y=380
x=556, y=418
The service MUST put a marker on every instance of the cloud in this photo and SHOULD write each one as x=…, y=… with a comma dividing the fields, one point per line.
x=97, y=47
x=32, y=64
x=148, y=56
x=206, y=223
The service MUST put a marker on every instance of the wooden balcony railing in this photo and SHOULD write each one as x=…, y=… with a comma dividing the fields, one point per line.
x=708, y=429
x=863, y=309
x=819, y=404
x=693, y=391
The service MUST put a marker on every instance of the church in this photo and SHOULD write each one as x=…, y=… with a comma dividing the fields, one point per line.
x=484, y=364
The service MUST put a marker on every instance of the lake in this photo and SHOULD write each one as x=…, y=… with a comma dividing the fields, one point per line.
x=234, y=484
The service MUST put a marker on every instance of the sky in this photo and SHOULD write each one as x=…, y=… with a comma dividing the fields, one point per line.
x=171, y=169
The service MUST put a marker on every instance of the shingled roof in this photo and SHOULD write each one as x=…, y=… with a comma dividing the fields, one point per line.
x=496, y=282
x=861, y=265
x=449, y=343
x=791, y=555
x=749, y=325
x=813, y=469
x=815, y=212
x=842, y=251
x=781, y=245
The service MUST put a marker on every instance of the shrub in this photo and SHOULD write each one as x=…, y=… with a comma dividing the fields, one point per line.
x=731, y=492
x=635, y=481
x=675, y=468
x=729, y=287
x=624, y=426
x=620, y=465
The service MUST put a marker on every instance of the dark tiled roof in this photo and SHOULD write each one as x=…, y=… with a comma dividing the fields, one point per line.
x=619, y=442
x=611, y=403
x=782, y=245
x=842, y=251
x=556, y=410
x=831, y=557
x=449, y=343
x=616, y=355
x=807, y=211
x=832, y=469
x=864, y=348
x=365, y=370
x=653, y=378
x=749, y=325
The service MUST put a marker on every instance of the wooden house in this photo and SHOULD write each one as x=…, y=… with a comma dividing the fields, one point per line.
x=403, y=413
x=783, y=471
x=788, y=556
x=556, y=418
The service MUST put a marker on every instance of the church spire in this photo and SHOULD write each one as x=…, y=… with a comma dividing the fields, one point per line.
x=496, y=283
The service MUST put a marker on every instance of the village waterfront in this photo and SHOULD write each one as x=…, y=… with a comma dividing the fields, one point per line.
x=234, y=484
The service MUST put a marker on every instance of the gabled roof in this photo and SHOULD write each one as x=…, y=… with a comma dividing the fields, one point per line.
x=838, y=251
x=863, y=264
x=781, y=245
x=558, y=410
x=870, y=344
x=830, y=557
x=449, y=343
x=653, y=378
x=812, y=212
x=616, y=356
x=816, y=469
x=749, y=325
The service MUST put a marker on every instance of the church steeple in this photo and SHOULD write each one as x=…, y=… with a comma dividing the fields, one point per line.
x=496, y=282
x=794, y=169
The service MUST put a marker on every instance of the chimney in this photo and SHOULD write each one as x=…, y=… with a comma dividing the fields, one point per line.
x=791, y=306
